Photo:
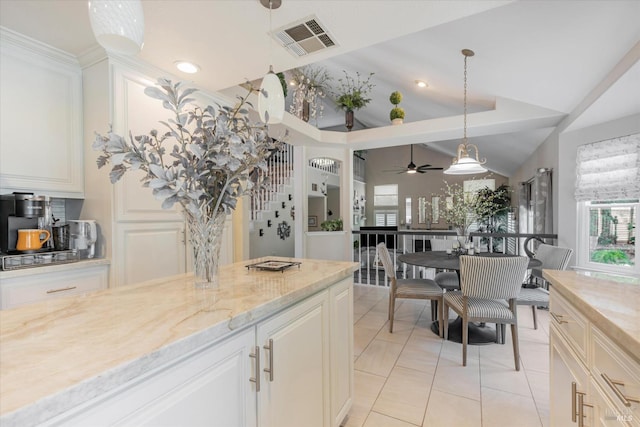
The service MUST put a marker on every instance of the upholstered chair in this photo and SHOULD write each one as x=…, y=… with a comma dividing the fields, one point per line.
x=553, y=258
x=409, y=288
x=485, y=284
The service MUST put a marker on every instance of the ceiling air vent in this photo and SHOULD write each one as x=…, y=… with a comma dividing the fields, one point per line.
x=304, y=37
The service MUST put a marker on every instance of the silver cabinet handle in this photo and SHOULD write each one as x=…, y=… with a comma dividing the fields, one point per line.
x=581, y=405
x=626, y=400
x=558, y=318
x=53, y=291
x=256, y=355
x=269, y=348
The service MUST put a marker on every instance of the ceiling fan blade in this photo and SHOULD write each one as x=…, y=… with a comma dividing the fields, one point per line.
x=430, y=169
x=426, y=165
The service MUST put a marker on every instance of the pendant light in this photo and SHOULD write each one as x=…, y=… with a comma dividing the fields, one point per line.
x=271, y=96
x=118, y=25
x=464, y=163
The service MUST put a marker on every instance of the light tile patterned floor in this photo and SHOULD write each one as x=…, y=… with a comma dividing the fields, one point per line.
x=413, y=378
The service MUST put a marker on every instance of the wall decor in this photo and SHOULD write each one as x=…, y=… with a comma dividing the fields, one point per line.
x=435, y=209
x=290, y=197
x=292, y=212
x=422, y=210
x=268, y=223
x=312, y=221
x=284, y=230
x=283, y=205
x=277, y=214
x=314, y=187
x=261, y=232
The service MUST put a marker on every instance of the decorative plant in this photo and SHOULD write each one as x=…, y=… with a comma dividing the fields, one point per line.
x=396, y=112
x=283, y=83
x=610, y=256
x=353, y=92
x=204, y=160
x=311, y=86
x=214, y=159
x=332, y=225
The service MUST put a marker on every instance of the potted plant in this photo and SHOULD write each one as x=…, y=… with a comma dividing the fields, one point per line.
x=397, y=113
x=310, y=87
x=352, y=95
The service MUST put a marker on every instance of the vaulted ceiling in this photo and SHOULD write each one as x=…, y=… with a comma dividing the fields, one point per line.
x=535, y=63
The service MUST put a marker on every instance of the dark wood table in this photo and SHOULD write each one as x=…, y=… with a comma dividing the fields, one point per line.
x=478, y=332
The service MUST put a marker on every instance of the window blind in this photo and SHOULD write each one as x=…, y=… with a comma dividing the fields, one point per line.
x=609, y=170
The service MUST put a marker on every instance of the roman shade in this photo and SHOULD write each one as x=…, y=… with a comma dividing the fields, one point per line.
x=609, y=170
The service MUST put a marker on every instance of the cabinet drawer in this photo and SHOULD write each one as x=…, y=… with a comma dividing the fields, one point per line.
x=41, y=287
x=617, y=374
x=571, y=324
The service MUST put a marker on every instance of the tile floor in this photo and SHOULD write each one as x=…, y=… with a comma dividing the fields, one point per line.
x=414, y=378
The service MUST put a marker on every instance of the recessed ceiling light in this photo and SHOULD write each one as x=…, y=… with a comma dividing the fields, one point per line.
x=421, y=84
x=187, y=67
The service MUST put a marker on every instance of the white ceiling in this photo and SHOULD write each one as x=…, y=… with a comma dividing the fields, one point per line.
x=535, y=62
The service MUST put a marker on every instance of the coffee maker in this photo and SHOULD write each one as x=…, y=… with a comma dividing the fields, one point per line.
x=19, y=211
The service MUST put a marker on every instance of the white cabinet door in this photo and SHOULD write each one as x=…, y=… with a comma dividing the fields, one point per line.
x=145, y=251
x=341, y=343
x=208, y=388
x=41, y=146
x=565, y=370
x=297, y=391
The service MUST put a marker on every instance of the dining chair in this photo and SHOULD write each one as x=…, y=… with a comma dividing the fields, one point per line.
x=553, y=258
x=447, y=280
x=485, y=284
x=409, y=288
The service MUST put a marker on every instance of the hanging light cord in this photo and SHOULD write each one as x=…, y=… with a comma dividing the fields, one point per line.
x=464, y=140
x=271, y=41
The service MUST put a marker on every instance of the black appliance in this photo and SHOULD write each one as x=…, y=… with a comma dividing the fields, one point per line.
x=18, y=211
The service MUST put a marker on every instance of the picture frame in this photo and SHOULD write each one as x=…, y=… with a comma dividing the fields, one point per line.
x=435, y=209
x=312, y=221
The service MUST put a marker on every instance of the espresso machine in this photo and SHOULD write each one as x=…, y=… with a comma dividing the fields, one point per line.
x=20, y=211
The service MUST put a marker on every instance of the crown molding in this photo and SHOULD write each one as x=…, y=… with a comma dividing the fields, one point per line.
x=12, y=38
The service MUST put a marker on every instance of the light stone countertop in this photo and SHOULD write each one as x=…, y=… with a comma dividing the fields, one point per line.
x=611, y=302
x=57, y=354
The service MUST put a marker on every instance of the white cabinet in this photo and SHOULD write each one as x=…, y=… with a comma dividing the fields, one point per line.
x=41, y=147
x=42, y=285
x=295, y=385
x=294, y=368
x=590, y=374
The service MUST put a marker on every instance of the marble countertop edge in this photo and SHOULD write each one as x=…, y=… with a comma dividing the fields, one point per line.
x=111, y=379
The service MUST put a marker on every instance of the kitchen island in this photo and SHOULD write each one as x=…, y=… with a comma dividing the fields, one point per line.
x=164, y=348
x=594, y=348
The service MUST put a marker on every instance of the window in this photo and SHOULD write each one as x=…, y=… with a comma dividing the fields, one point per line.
x=608, y=235
x=385, y=199
x=608, y=192
x=407, y=211
x=385, y=195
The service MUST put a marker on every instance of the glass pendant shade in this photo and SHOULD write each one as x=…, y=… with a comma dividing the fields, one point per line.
x=118, y=25
x=271, y=99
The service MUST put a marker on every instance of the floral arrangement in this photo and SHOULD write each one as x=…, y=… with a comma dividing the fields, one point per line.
x=310, y=86
x=204, y=160
x=353, y=92
x=215, y=157
x=460, y=209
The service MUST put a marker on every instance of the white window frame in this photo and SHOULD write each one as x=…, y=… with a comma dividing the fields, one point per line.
x=387, y=213
x=582, y=240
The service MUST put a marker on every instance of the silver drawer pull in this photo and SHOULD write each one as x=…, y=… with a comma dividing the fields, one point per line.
x=53, y=291
x=626, y=400
x=558, y=318
x=269, y=348
x=256, y=379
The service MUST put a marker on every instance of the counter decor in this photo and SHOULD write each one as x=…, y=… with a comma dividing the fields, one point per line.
x=204, y=160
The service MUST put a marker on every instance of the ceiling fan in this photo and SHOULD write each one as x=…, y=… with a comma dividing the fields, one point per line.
x=412, y=168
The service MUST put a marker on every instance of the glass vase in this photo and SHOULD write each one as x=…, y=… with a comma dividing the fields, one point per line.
x=205, y=234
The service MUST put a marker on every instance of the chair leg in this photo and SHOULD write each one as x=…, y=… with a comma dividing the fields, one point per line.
x=434, y=311
x=503, y=333
x=392, y=309
x=498, y=330
x=445, y=320
x=516, y=349
x=535, y=316
x=438, y=312
x=465, y=338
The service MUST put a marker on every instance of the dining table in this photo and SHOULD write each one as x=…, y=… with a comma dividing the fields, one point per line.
x=479, y=333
